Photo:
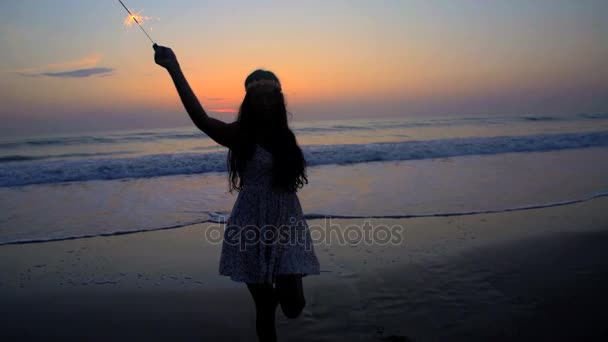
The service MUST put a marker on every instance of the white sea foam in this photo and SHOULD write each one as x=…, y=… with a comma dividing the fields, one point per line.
x=19, y=173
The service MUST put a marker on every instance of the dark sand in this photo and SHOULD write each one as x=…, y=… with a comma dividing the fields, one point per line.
x=522, y=276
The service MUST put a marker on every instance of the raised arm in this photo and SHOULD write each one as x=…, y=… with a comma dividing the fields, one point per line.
x=223, y=133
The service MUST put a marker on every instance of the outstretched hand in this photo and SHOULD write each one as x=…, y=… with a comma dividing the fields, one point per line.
x=165, y=57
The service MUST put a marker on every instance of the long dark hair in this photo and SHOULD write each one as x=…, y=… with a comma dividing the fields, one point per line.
x=289, y=166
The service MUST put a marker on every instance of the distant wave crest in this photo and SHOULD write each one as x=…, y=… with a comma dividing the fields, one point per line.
x=56, y=171
x=17, y=157
x=541, y=118
x=366, y=125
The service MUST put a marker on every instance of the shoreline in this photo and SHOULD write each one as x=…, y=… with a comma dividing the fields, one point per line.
x=526, y=274
x=313, y=217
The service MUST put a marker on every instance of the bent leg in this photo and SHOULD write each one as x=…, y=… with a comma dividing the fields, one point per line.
x=291, y=294
x=265, y=301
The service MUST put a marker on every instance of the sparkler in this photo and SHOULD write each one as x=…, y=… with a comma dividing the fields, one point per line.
x=134, y=18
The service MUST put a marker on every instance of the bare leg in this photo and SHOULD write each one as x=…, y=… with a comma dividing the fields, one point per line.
x=266, y=302
x=291, y=294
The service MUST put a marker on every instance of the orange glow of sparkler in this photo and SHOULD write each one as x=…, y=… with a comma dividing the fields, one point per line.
x=134, y=18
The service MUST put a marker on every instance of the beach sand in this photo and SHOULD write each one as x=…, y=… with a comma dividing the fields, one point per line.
x=538, y=274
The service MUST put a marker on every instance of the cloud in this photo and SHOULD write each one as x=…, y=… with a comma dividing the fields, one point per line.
x=84, y=67
x=86, y=62
x=214, y=98
x=78, y=73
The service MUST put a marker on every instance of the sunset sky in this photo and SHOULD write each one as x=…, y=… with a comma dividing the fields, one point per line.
x=71, y=66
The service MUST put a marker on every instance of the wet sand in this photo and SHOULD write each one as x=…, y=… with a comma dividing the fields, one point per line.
x=527, y=275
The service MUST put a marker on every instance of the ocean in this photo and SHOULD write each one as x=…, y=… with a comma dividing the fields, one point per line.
x=59, y=187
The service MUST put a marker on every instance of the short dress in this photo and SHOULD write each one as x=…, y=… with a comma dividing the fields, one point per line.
x=266, y=233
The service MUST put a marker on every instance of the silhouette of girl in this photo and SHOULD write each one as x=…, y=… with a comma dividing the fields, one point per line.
x=267, y=242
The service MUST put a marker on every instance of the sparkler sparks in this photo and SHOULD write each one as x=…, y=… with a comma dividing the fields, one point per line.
x=137, y=18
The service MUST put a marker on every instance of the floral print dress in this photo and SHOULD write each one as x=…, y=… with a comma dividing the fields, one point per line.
x=266, y=233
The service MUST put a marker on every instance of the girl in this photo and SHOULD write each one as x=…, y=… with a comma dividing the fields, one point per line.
x=267, y=243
